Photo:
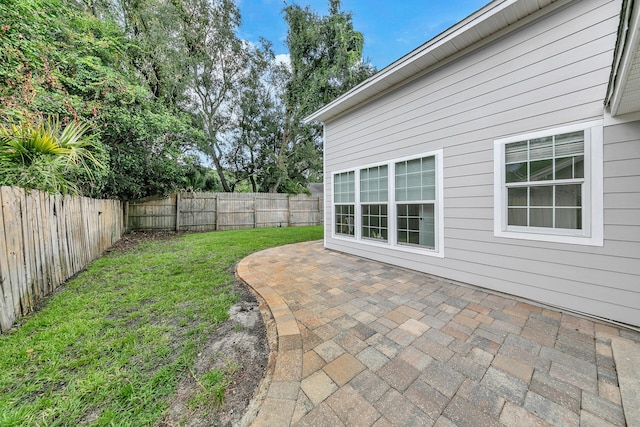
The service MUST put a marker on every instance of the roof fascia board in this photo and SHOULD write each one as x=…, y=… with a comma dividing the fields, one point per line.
x=448, y=36
x=629, y=44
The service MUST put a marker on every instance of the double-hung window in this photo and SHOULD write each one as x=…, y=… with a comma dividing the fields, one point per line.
x=415, y=196
x=344, y=191
x=549, y=186
x=374, y=190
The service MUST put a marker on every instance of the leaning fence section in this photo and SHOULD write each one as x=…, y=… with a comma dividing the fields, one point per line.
x=46, y=239
x=193, y=211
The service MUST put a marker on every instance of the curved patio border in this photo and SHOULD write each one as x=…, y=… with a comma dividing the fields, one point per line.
x=282, y=386
x=361, y=342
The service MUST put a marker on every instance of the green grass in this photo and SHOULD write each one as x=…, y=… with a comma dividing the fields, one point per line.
x=111, y=347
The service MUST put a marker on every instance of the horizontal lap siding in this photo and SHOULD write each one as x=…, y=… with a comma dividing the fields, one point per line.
x=549, y=74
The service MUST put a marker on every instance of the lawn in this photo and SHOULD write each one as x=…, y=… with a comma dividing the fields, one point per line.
x=110, y=348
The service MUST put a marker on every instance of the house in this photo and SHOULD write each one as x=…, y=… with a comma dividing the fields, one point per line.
x=503, y=153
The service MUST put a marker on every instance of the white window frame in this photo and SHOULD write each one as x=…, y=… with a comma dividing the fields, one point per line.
x=592, y=231
x=392, y=241
x=334, y=204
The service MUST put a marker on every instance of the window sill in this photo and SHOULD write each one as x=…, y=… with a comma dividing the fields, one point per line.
x=553, y=238
x=385, y=244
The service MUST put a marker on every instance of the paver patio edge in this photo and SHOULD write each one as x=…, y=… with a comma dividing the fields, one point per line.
x=626, y=354
x=276, y=405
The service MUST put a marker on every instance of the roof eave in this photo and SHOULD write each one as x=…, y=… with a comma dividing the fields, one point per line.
x=623, y=91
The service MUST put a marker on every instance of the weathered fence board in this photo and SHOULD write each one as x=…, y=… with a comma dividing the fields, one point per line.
x=46, y=239
x=223, y=211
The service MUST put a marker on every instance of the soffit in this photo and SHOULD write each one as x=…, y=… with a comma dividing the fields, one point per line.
x=476, y=28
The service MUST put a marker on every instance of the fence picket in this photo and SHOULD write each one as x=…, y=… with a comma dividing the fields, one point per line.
x=44, y=240
x=6, y=295
x=223, y=211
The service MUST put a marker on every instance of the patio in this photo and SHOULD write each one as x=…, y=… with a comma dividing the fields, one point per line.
x=364, y=343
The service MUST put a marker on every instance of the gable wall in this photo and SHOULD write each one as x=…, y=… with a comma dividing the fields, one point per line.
x=551, y=73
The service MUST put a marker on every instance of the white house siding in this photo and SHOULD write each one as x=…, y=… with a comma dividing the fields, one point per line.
x=551, y=73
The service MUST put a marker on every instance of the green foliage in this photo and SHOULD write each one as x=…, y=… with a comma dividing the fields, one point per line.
x=326, y=61
x=61, y=61
x=111, y=347
x=45, y=157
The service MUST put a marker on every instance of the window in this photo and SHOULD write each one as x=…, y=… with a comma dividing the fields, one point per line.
x=549, y=186
x=374, y=190
x=544, y=181
x=415, y=182
x=396, y=204
x=344, y=200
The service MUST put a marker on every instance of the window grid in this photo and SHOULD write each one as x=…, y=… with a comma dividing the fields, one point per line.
x=375, y=222
x=377, y=211
x=416, y=224
x=544, y=179
x=344, y=199
x=415, y=190
x=344, y=220
x=374, y=184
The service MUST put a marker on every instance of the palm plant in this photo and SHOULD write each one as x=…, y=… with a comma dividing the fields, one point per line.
x=44, y=157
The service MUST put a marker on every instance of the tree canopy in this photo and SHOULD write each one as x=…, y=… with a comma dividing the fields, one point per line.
x=170, y=95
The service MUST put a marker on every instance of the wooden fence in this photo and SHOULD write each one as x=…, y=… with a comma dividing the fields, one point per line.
x=46, y=239
x=223, y=211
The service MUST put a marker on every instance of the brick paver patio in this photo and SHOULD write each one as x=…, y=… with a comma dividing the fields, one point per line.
x=367, y=344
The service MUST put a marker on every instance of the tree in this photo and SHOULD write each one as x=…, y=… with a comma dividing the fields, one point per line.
x=217, y=60
x=326, y=61
x=57, y=61
x=256, y=136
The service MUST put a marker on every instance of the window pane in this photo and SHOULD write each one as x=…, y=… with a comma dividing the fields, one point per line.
x=517, y=172
x=416, y=224
x=570, y=144
x=374, y=222
x=517, y=196
x=415, y=179
x=569, y=195
x=541, y=170
x=541, y=217
x=429, y=163
x=541, y=148
x=414, y=165
x=516, y=152
x=517, y=216
x=344, y=187
x=566, y=167
x=579, y=167
x=541, y=196
x=569, y=218
x=344, y=220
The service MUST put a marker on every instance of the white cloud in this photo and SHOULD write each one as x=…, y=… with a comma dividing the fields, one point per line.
x=284, y=58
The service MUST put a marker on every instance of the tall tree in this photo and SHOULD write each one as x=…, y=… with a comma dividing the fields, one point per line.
x=326, y=61
x=217, y=62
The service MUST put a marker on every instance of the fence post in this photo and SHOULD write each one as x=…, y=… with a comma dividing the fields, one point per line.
x=255, y=211
x=125, y=219
x=177, y=211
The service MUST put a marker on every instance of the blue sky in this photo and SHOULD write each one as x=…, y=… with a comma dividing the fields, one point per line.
x=391, y=28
